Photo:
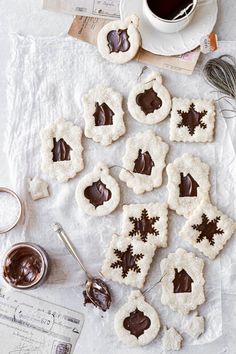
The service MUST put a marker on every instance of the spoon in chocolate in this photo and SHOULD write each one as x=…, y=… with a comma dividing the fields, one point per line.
x=96, y=290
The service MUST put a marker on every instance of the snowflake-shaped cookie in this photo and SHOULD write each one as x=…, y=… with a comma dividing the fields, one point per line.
x=144, y=161
x=146, y=222
x=38, y=188
x=98, y=193
x=136, y=322
x=171, y=339
x=149, y=101
x=208, y=229
x=103, y=115
x=119, y=41
x=128, y=261
x=188, y=184
x=192, y=120
x=195, y=326
x=61, y=150
x=182, y=282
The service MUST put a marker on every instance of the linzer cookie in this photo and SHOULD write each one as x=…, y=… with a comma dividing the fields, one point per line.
x=136, y=323
x=188, y=184
x=182, y=281
x=208, y=229
x=103, y=115
x=192, y=120
x=98, y=193
x=149, y=101
x=119, y=41
x=171, y=339
x=146, y=222
x=128, y=261
x=61, y=150
x=144, y=161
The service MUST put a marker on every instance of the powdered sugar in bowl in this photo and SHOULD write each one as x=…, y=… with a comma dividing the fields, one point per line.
x=10, y=209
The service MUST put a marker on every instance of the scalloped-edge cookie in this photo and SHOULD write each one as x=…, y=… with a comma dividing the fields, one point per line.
x=195, y=326
x=171, y=339
x=146, y=222
x=188, y=184
x=61, y=150
x=144, y=161
x=149, y=102
x=208, y=229
x=182, y=281
x=192, y=120
x=98, y=193
x=38, y=188
x=103, y=115
x=136, y=323
x=119, y=41
x=128, y=261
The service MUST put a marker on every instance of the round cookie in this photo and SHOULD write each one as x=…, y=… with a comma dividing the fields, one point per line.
x=149, y=102
x=98, y=193
x=119, y=41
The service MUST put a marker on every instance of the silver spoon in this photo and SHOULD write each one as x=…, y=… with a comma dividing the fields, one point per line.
x=96, y=290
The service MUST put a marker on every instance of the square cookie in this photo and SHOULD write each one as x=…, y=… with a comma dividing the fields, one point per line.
x=146, y=222
x=128, y=261
x=192, y=120
x=208, y=229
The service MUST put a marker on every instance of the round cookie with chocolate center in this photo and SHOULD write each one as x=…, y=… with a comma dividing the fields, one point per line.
x=98, y=193
x=149, y=101
x=119, y=41
x=137, y=322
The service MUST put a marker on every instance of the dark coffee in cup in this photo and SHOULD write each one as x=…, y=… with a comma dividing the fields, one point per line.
x=169, y=9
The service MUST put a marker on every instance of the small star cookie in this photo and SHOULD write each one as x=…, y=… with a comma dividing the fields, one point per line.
x=128, y=261
x=136, y=323
x=149, y=101
x=144, y=161
x=208, y=229
x=103, y=115
x=192, y=120
x=146, y=222
x=182, y=281
x=38, y=188
x=119, y=41
x=171, y=340
x=188, y=184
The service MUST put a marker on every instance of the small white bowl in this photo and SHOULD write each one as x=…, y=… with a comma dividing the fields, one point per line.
x=168, y=26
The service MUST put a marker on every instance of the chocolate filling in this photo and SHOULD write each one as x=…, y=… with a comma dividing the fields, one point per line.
x=208, y=229
x=23, y=266
x=98, y=295
x=137, y=323
x=192, y=119
x=148, y=101
x=188, y=186
x=97, y=193
x=103, y=114
x=143, y=164
x=61, y=150
x=182, y=282
x=144, y=226
x=118, y=41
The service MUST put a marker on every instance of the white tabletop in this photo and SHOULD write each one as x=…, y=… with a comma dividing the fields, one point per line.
x=26, y=17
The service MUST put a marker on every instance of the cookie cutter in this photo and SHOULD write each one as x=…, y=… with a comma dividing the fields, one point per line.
x=18, y=216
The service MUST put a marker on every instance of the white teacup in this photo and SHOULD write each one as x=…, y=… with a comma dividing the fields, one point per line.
x=168, y=26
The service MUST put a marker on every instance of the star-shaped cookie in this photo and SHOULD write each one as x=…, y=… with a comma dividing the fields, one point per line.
x=127, y=261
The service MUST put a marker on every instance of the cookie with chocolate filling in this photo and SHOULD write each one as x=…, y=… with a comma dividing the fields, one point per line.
x=192, y=120
x=182, y=281
x=188, y=184
x=98, y=193
x=208, y=229
x=146, y=222
x=61, y=150
x=103, y=115
x=136, y=323
x=128, y=261
x=149, y=102
x=144, y=161
x=119, y=41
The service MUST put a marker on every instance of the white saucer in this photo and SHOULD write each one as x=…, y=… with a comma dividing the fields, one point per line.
x=175, y=43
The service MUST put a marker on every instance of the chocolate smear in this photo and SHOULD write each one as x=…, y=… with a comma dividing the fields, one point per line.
x=137, y=323
x=99, y=295
x=182, y=282
x=97, y=193
x=103, y=115
x=188, y=186
x=118, y=41
x=61, y=150
x=143, y=164
x=148, y=101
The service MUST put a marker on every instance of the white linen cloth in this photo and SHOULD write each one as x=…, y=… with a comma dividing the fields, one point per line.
x=47, y=77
